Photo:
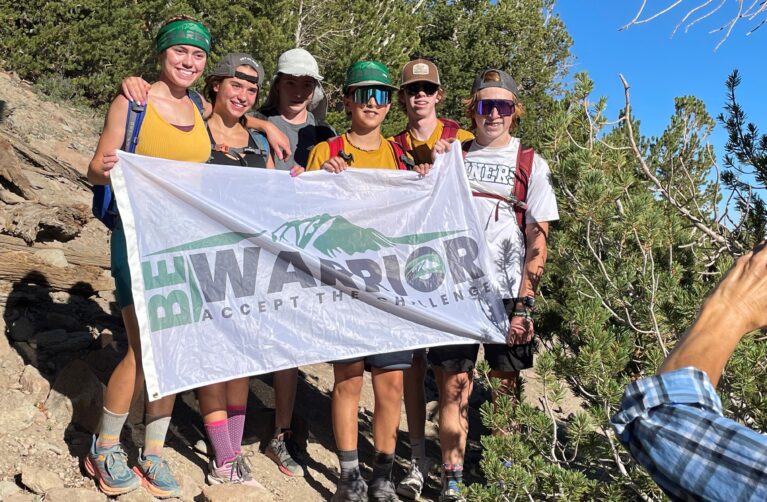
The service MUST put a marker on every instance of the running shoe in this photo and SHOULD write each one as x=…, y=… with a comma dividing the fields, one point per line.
x=109, y=467
x=278, y=450
x=235, y=472
x=351, y=488
x=382, y=490
x=158, y=480
x=411, y=485
x=451, y=493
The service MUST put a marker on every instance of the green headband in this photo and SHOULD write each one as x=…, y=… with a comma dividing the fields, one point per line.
x=183, y=32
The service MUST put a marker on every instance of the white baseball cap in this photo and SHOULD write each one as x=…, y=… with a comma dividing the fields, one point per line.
x=299, y=63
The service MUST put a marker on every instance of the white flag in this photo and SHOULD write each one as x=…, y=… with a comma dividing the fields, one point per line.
x=239, y=271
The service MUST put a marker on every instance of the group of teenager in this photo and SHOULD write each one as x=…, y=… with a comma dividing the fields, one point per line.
x=512, y=193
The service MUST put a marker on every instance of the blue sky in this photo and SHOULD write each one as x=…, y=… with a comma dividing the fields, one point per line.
x=658, y=68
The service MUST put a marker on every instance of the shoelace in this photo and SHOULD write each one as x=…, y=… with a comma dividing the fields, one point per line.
x=115, y=468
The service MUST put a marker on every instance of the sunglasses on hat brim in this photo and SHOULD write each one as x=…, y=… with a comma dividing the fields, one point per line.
x=381, y=95
x=505, y=107
x=429, y=88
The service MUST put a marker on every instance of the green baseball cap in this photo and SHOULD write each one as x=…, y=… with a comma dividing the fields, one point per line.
x=364, y=73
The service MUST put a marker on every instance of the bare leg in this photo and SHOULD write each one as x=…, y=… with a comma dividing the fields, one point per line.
x=387, y=389
x=415, y=399
x=285, y=382
x=346, y=398
x=454, y=393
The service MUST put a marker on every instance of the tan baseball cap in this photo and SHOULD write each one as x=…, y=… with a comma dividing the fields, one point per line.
x=419, y=70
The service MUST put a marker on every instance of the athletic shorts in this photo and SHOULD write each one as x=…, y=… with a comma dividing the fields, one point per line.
x=501, y=357
x=120, y=269
x=400, y=360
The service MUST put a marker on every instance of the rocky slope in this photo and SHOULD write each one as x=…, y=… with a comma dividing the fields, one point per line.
x=63, y=336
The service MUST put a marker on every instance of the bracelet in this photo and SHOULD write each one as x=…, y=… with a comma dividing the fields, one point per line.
x=521, y=313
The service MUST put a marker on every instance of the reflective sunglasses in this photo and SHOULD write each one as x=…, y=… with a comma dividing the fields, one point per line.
x=362, y=95
x=505, y=107
x=428, y=88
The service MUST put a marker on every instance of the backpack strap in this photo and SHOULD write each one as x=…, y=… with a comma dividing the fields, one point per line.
x=402, y=140
x=525, y=157
x=336, y=146
x=132, y=125
x=403, y=160
x=449, y=128
x=196, y=98
x=466, y=146
x=262, y=147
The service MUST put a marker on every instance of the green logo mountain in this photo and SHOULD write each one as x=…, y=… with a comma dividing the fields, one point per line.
x=331, y=235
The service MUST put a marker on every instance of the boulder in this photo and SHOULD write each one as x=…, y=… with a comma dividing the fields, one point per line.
x=8, y=488
x=21, y=497
x=72, y=494
x=39, y=480
x=18, y=412
x=225, y=493
x=77, y=396
x=139, y=495
x=58, y=341
x=21, y=330
x=33, y=383
x=53, y=257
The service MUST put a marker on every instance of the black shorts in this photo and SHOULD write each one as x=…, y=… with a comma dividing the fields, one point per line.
x=400, y=360
x=501, y=357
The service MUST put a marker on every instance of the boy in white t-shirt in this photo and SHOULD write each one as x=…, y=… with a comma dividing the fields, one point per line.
x=493, y=163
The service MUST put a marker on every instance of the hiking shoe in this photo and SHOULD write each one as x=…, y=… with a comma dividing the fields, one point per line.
x=234, y=472
x=351, y=488
x=158, y=480
x=411, y=485
x=382, y=490
x=109, y=467
x=451, y=493
x=278, y=450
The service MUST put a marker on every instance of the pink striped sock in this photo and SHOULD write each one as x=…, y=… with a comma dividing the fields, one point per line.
x=236, y=421
x=218, y=433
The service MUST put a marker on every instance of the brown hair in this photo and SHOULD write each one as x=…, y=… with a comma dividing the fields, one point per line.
x=211, y=94
x=471, y=103
x=402, y=98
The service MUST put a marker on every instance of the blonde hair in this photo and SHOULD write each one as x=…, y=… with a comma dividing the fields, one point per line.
x=470, y=104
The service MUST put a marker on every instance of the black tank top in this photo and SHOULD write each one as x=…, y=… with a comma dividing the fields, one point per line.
x=251, y=156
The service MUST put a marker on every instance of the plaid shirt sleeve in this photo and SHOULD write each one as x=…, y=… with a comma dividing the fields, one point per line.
x=673, y=426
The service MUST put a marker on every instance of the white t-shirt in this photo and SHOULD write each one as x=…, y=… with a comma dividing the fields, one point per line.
x=491, y=171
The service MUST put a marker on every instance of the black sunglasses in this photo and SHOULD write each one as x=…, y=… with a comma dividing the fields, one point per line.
x=428, y=88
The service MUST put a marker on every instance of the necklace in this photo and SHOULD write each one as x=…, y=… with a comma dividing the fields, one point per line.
x=358, y=148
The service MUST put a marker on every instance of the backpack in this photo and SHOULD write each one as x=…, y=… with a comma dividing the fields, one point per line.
x=103, y=204
x=261, y=149
x=449, y=131
x=404, y=162
x=518, y=199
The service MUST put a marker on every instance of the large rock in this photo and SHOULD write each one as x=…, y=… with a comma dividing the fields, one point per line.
x=77, y=396
x=226, y=493
x=18, y=412
x=33, y=383
x=74, y=494
x=59, y=340
x=39, y=480
x=139, y=495
x=21, y=330
x=8, y=488
x=21, y=497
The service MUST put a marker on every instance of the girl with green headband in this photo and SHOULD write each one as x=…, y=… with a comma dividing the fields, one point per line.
x=172, y=128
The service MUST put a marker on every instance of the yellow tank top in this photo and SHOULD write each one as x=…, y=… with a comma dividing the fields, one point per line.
x=158, y=138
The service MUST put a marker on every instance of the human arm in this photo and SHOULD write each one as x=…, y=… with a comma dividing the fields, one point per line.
x=112, y=138
x=736, y=307
x=521, y=326
x=278, y=141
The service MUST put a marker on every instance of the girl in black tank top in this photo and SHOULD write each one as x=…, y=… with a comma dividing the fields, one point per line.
x=255, y=154
x=232, y=88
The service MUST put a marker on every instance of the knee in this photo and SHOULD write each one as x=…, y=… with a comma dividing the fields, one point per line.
x=349, y=386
